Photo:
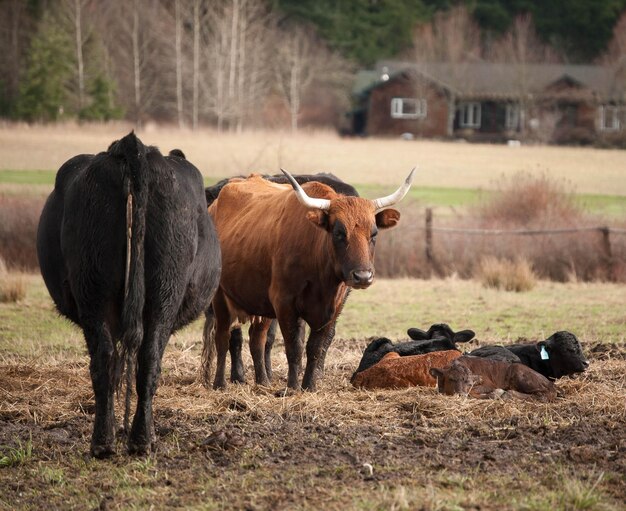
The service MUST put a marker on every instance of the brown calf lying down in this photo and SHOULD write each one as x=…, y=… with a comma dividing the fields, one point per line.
x=485, y=379
x=396, y=372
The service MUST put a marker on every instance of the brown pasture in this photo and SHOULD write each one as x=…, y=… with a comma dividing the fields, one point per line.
x=339, y=448
x=251, y=447
x=358, y=160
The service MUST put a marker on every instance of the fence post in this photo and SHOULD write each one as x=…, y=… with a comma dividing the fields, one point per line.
x=429, y=239
x=608, y=253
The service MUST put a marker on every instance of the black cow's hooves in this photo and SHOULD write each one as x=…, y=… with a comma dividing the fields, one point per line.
x=287, y=391
x=139, y=449
x=102, y=451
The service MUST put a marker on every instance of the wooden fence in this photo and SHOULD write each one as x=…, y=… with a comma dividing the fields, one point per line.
x=605, y=232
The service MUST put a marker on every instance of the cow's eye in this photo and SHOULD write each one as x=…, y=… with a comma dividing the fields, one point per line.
x=340, y=236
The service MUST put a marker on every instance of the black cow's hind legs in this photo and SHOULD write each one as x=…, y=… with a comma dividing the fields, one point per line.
x=102, y=372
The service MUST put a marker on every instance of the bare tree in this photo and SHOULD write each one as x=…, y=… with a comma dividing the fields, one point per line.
x=452, y=37
x=138, y=35
x=179, y=62
x=235, y=46
x=16, y=28
x=521, y=47
x=197, y=20
x=73, y=18
x=301, y=59
x=615, y=59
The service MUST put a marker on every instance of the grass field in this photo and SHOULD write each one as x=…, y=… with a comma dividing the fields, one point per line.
x=339, y=448
x=365, y=161
x=41, y=182
x=245, y=448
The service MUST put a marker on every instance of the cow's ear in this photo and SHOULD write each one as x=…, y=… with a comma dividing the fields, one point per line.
x=543, y=348
x=416, y=334
x=464, y=336
x=318, y=218
x=436, y=373
x=387, y=218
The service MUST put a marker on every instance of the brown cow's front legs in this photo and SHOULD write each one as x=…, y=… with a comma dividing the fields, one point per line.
x=316, y=348
x=269, y=342
x=291, y=328
x=222, y=335
x=258, y=335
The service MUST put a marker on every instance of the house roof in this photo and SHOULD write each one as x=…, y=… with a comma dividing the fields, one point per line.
x=496, y=80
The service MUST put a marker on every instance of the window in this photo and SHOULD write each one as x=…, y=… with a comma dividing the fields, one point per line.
x=609, y=118
x=408, y=108
x=511, y=119
x=469, y=115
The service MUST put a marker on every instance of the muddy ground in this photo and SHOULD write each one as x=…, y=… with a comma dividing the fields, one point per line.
x=338, y=448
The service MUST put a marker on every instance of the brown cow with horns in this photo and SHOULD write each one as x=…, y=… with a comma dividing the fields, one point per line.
x=291, y=256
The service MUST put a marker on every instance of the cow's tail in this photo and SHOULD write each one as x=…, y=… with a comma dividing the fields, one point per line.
x=136, y=186
x=209, y=352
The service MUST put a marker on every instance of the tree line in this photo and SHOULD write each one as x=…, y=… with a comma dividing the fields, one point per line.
x=235, y=64
x=227, y=63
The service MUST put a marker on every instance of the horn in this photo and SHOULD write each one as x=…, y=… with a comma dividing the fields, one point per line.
x=309, y=202
x=390, y=200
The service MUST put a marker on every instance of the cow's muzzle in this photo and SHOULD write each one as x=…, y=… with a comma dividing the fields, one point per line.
x=361, y=279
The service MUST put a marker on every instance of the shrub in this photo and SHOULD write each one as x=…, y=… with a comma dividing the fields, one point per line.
x=526, y=200
x=523, y=202
x=19, y=217
x=12, y=286
x=508, y=275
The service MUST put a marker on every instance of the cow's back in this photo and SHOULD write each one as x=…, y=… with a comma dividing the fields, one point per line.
x=82, y=243
x=182, y=248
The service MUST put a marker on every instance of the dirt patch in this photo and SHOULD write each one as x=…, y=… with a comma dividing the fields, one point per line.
x=338, y=448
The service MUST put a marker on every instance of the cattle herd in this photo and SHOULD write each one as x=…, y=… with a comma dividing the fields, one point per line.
x=132, y=247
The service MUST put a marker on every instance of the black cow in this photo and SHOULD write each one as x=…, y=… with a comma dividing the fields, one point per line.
x=237, y=371
x=128, y=293
x=559, y=355
x=496, y=353
x=439, y=337
x=438, y=331
x=327, y=178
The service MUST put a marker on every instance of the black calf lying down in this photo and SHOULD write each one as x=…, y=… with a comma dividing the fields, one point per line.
x=501, y=353
x=559, y=355
x=439, y=337
x=487, y=379
x=440, y=331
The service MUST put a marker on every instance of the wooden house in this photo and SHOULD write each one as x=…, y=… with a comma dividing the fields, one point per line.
x=489, y=101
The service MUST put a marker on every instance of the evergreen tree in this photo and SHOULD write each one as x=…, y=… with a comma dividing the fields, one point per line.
x=43, y=89
x=579, y=28
x=101, y=107
x=363, y=30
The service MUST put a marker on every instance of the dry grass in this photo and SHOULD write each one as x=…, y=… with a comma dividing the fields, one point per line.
x=514, y=275
x=12, y=285
x=365, y=161
x=56, y=392
x=312, y=450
